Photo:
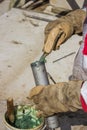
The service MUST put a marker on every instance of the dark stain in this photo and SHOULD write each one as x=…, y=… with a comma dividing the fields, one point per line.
x=9, y=66
x=16, y=42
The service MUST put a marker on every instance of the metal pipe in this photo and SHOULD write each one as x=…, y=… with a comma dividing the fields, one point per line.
x=39, y=73
x=64, y=57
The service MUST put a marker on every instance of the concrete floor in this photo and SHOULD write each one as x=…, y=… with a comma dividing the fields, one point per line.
x=21, y=43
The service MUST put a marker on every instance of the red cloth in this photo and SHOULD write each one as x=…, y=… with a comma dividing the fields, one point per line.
x=84, y=105
x=85, y=46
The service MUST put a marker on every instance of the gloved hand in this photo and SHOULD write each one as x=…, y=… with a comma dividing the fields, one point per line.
x=58, y=31
x=61, y=97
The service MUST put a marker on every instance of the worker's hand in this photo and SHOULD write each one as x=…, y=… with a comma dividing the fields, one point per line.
x=61, y=97
x=58, y=31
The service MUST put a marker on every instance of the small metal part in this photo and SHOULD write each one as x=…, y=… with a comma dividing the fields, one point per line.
x=52, y=121
x=43, y=56
x=51, y=78
x=64, y=57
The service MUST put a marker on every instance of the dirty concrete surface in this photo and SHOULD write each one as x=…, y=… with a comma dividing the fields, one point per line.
x=21, y=43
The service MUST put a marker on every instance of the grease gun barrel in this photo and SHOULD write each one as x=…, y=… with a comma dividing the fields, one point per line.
x=39, y=73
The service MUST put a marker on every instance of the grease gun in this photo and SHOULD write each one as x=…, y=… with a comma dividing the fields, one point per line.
x=41, y=78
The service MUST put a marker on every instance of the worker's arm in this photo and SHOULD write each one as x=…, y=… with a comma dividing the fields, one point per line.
x=61, y=97
x=58, y=31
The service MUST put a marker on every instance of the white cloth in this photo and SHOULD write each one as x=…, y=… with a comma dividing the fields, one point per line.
x=85, y=63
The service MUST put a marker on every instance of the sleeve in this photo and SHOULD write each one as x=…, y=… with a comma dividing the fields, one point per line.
x=85, y=54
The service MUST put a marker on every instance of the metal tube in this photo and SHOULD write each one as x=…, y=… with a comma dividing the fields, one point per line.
x=41, y=78
x=39, y=73
x=52, y=121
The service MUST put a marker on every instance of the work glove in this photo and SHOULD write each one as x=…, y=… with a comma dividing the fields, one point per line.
x=58, y=31
x=61, y=97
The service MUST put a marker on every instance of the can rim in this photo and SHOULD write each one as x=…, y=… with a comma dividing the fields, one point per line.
x=14, y=128
x=9, y=126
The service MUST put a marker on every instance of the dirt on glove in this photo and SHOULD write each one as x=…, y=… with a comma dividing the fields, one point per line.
x=61, y=97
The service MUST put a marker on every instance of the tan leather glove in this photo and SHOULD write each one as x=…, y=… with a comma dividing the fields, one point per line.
x=61, y=97
x=58, y=31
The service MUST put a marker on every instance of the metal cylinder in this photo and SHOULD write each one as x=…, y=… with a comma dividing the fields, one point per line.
x=39, y=73
x=52, y=122
x=41, y=78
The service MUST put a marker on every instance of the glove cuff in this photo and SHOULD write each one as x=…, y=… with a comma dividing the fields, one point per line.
x=76, y=18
